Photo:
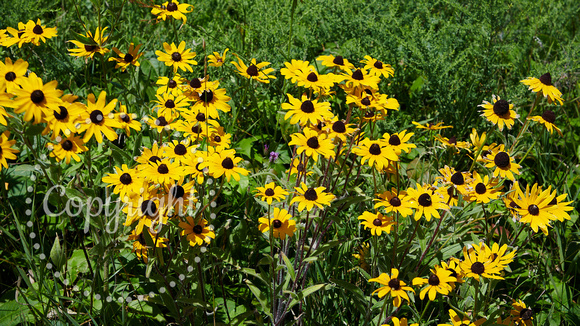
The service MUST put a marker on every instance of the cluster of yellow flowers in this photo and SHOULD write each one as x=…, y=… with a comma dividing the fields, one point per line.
x=30, y=32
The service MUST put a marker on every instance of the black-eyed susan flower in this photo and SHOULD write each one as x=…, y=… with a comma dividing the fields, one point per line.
x=280, y=223
x=197, y=232
x=396, y=202
x=90, y=49
x=462, y=320
x=477, y=264
x=210, y=99
x=448, y=195
x=168, y=104
x=5, y=101
x=140, y=246
x=16, y=36
x=559, y=207
x=496, y=254
x=547, y=119
x=312, y=80
x=312, y=144
x=377, y=223
x=255, y=71
x=163, y=172
x=11, y=74
x=172, y=8
x=194, y=129
x=361, y=78
x=6, y=150
x=545, y=86
x=67, y=148
x=163, y=122
x=453, y=267
x=339, y=129
x=125, y=181
x=452, y=142
x=483, y=189
x=304, y=110
x=477, y=141
x=295, y=68
x=224, y=162
x=426, y=202
x=126, y=59
x=392, y=285
x=101, y=119
x=504, y=164
x=297, y=167
x=194, y=167
x=377, y=67
x=219, y=137
x=35, y=97
x=150, y=155
x=399, y=141
x=440, y=281
x=310, y=197
x=64, y=118
x=35, y=32
x=459, y=180
x=534, y=207
x=216, y=59
x=271, y=192
x=522, y=314
x=499, y=112
x=375, y=152
x=170, y=85
x=179, y=196
x=177, y=57
x=430, y=126
x=177, y=150
x=400, y=322
x=335, y=61
x=127, y=121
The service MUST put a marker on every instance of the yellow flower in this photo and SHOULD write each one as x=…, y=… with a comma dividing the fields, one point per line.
x=392, y=285
x=216, y=59
x=6, y=150
x=544, y=85
x=478, y=264
x=398, y=141
x=430, y=126
x=281, y=224
x=89, y=49
x=504, y=164
x=11, y=74
x=426, y=202
x=309, y=197
x=392, y=201
x=377, y=223
x=256, y=71
x=125, y=181
x=456, y=320
x=338, y=61
x=534, y=207
x=177, y=57
x=360, y=78
x=304, y=110
x=376, y=152
x=313, y=144
x=499, y=112
x=172, y=8
x=126, y=59
x=67, y=148
x=35, y=32
x=223, y=162
x=377, y=67
x=271, y=192
x=521, y=314
x=35, y=97
x=547, y=119
x=440, y=281
x=101, y=119
x=197, y=232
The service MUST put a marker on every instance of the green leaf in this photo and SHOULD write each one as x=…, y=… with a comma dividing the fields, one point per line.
x=289, y=266
x=307, y=292
x=56, y=253
x=262, y=299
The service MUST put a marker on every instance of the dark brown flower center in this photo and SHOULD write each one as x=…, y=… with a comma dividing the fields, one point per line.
x=196, y=129
x=62, y=114
x=357, y=75
x=277, y=224
x=307, y=106
x=534, y=209
x=269, y=192
x=369, y=114
x=311, y=194
x=375, y=149
x=154, y=159
x=526, y=314
x=554, y=201
x=451, y=192
x=377, y=222
x=198, y=229
x=434, y=280
x=200, y=117
x=161, y=121
x=478, y=268
x=365, y=101
x=457, y=179
x=169, y=104
x=171, y=6
x=180, y=149
x=502, y=160
x=312, y=77
x=480, y=188
x=97, y=116
x=501, y=107
x=227, y=163
x=217, y=139
x=425, y=200
x=177, y=191
x=10, y=76
x=549, y=116
x=546, y=79
x=339, y=127
x=149, y=208
x=378, y=64
x=453, y=140
x=195, y=83
x=395, y=284
x=125, y=117
x=125, y=178
x=171, y=83
x=37, y=96
x=141, y=239
x=128, y=57
x=395, y=201
x=163, y=169
x=90, y=48
x=67, y=145
x=252, y=71
x=37, y=30
x=338, y=60
x=514, y=205
x=207, y=96
x=176, y=56
x=394, y=140
x=300, y=167
x=312, y=142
